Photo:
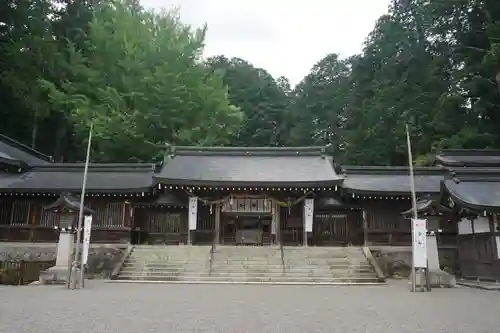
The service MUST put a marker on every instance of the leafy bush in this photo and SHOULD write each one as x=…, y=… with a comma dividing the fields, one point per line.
x=9, y=276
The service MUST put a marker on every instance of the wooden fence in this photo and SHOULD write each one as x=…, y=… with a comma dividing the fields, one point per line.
x=21, y=272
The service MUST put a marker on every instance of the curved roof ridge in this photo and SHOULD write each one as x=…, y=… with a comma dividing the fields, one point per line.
x=384, y=170
x=250, y=151
x=27, y=149
x=468, y=152
x=94, y=167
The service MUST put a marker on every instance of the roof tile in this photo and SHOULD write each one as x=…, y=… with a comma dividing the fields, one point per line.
x=304, y=166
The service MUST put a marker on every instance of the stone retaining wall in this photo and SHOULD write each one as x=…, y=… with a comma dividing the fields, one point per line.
x=102, y=257
x=395, y=262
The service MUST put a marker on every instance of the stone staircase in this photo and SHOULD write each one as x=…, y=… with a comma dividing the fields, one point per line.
x=329, y=265
x=166, y=263
x=249, y=264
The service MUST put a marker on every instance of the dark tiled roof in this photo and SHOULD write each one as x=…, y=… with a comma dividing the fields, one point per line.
x=468, y=157
x=67, y=202
x=7, y=159
x=473, y=188
x=327, y=203
x=249, y=167
x=422, y=206
x=16, y=152
x=69, y=176
x=391, y=180
x=169, y=199
x=7, y=179
x=475, y=195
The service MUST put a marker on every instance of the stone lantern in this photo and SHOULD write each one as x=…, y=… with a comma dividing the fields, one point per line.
x=66, y=208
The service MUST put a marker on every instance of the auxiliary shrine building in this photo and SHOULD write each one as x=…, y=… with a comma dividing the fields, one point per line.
x=260, y=196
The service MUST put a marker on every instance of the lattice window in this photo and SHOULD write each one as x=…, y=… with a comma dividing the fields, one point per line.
x=5, y=211
x=20, y=212
x=161, y=222
x=291, y=217
x=48, y=219
x=108, y=215
x=206, y=218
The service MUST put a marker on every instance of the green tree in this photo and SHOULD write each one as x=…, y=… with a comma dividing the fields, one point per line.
x=261, y=98
x=317, y=110
x=140, y=80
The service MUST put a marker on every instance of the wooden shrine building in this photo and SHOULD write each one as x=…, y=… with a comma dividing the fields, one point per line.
x=202, y=195
x=471, y=190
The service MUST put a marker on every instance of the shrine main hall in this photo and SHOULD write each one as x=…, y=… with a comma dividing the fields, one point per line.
x=291, y=196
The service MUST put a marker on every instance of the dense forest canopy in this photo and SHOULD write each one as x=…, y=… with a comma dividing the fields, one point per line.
x=139, y=77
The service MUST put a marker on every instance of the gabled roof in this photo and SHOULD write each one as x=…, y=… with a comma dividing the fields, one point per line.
x=68, y=177
x=15, y=153
x=391, y=180
x=66, y=202
x=476, y=189
x=427, y=205
x=275, y=166
x=468, y=157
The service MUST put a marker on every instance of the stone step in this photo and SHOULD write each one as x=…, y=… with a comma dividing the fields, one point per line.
x=243, y=264
x=168, y=253
x=249, y=264
x=250, y=272
x=173, y=261
x=164, y=263
x=263, y=270
x=173, y=245
x=289, y=269
x=167, y=257
x=248, y=279
x=287, y=273
x=246, y=263
x=276, y=273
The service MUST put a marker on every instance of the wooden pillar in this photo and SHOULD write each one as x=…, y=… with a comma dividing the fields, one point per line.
x=217, y=223
x=273, y=224
x=491, y=222
x=474, y=245
x=365, y=228
x=124, y=215
x=278, y=223
x=30, y=221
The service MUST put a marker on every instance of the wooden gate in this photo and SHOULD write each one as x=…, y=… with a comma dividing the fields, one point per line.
x=165, y=227
x=478, y=256
x=330, y=229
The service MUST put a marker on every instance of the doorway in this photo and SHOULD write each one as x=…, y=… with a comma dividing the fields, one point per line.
x=330, y=229
x=246, y=229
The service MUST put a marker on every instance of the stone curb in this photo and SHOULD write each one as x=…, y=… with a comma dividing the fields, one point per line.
x=478, y=286
x=251, y=282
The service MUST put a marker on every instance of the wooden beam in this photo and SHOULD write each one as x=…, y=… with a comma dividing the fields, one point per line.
x=217, y=223
x=474, y=245
x=365, y=229
x=124, y=211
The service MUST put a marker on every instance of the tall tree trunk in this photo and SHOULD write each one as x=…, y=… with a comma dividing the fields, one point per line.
x=498, y=82
x=60, y=143
x=34, y=130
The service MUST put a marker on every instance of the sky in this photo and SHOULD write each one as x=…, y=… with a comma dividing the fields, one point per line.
x=284, y=37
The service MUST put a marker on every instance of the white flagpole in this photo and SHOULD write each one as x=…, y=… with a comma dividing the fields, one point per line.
x=414, y=204
x=80, y=213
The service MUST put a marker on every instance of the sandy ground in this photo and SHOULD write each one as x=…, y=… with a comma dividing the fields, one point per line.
x=123, y=308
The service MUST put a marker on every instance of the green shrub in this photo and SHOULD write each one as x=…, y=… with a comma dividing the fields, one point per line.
x=9, y=276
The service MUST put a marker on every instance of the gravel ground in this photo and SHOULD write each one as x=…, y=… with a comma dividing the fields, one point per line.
x=124, y=308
